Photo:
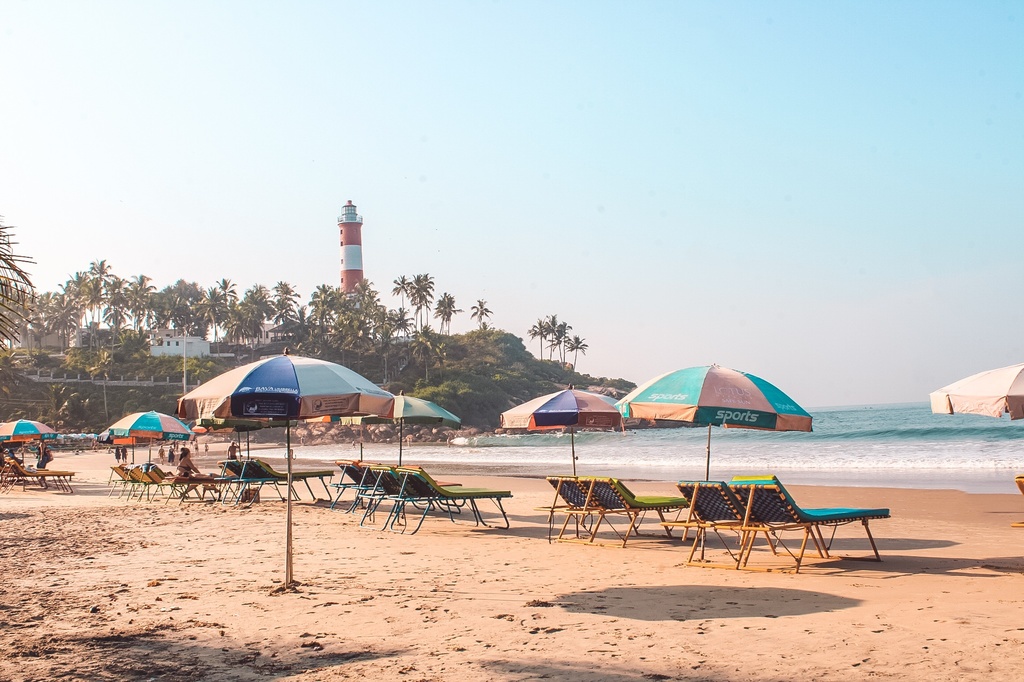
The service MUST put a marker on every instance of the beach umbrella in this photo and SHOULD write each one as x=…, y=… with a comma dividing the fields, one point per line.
x=149, y=426
x=24, y=430
x=715, y=396
x=568, y=408
x=991, y=393
x=284, y=388
x=408, y=410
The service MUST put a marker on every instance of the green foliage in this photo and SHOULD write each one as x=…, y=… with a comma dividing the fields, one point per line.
x=486, y=372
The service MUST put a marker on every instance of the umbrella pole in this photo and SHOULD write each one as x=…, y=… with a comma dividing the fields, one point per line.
x=248, y=453
x=572, y=443
x=288, y=512
x=401, y=437
x=707, y=465
x=150, y=455
x=360, y=451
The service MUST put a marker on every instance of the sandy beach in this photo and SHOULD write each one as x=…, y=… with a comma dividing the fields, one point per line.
x=96, y=588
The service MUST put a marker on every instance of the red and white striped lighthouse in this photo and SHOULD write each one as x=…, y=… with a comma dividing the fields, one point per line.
x=350, y=226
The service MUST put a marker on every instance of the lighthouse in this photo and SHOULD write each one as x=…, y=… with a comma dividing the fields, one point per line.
x=350, y=226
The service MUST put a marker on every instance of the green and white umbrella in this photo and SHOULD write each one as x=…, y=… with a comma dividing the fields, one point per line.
x=715, y=396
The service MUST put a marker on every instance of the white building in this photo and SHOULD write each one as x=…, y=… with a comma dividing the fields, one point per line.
x=170, y=342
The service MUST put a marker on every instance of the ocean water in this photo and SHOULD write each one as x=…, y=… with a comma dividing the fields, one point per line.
x=902, y=446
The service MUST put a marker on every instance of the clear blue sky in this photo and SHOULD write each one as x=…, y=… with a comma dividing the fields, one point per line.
x=828, y=195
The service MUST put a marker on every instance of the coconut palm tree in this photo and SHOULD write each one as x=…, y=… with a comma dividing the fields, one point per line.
x=576, y=345
x=284, y=303
x=480, y=313
x=550, y=328
x=539, y=330
x=445, y=310
x=422, y=296
x=116, y=312
x=559, y=338
x=214, y=309
x=16, y=290
x=140, y=299
x=423, y=349
x=101, y=367
x=403, y=288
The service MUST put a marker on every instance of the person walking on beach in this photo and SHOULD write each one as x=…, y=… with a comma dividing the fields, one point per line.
x=233, y=451
x=170, y=454
x=161, y=454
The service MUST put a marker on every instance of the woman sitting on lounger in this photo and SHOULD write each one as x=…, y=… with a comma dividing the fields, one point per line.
x=186, y=467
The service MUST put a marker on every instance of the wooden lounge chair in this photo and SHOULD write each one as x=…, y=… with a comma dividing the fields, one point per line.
x=771, y=509
x=713, y=507
x=573, y=500
x=613, y=498
x=16, y=473
x=419, y=488
x=1020, y=486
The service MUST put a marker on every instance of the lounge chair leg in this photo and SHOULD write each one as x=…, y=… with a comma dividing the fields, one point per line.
x=871, y=539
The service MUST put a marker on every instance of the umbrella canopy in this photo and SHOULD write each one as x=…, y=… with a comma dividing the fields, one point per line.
x=407, y=410
x=153, y=425
x=24, y=430
x=286, y=387
x=570, y=408
x=715, y=396
x=991, y=393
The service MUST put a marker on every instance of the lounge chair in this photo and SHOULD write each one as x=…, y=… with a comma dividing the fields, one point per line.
x=15, y=473
x=1020, y=486
x=713, y=507
x=420, y=489
x=771, y=509
x=573, y=500
x=304, y=476
x=591, y=500
x=613, y=498
x=355, y=476
x=386, y=486
x=243, y=480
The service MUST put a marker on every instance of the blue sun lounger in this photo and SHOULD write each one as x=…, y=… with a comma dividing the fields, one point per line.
x=771, y=509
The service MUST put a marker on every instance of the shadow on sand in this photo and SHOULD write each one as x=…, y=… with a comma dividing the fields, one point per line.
x=689, y=602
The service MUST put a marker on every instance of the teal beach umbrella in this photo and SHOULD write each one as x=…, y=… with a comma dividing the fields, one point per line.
x=715, y=396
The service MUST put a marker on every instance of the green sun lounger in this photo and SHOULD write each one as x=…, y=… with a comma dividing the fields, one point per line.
x=423, y=492
x=591, y=500
x=771, y=509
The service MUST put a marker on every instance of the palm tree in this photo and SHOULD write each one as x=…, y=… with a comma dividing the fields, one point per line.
x=214, y=308
x=285, y=302
x=65, y=317
x=16, y=290
x=539, y=330
x=559, y=338
x=101, y=367
x=480, y=313
x=550, y=327
x=422, y=296
x=140, y=303
x=445, y=310
x=403, y=288
x=118, y=305
x=423, y=348
x=576, y=345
